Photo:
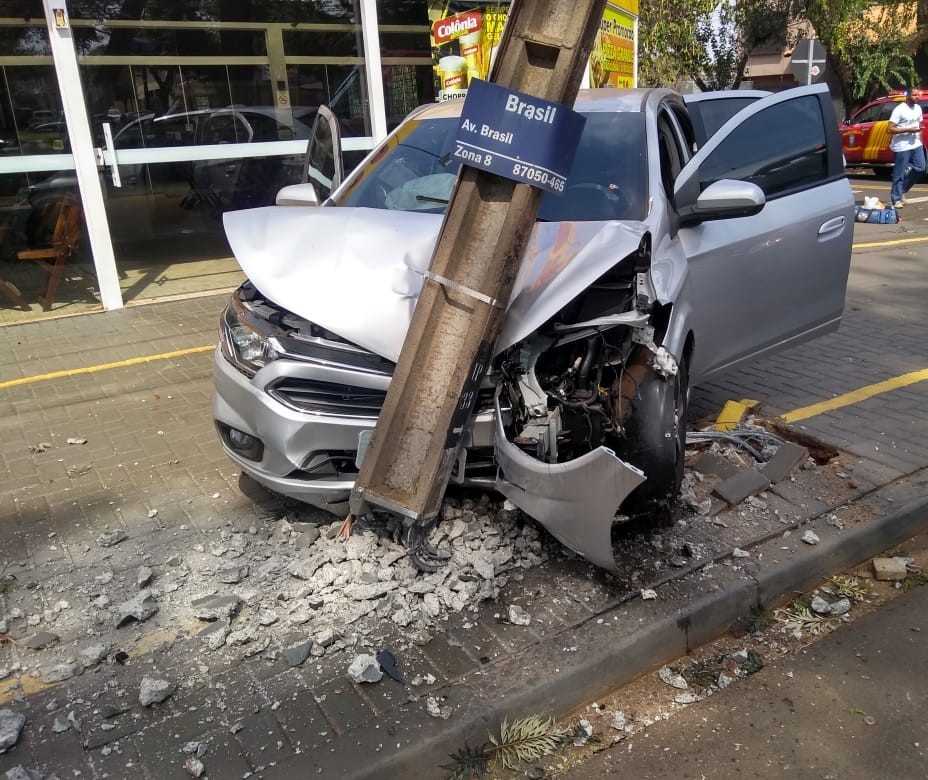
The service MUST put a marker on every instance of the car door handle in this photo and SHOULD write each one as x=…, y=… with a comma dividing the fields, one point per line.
x=832, y=225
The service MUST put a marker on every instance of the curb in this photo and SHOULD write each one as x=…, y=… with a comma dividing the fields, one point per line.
x=605, y=662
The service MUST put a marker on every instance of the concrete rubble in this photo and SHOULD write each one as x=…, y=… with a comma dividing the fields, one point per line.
x=11, y=726
x=283, y=591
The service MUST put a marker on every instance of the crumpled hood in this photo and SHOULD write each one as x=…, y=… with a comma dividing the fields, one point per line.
x=358, y=272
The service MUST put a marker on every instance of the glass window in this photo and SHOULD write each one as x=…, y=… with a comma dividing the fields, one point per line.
x=781, y=148
x=608, y=179
x=289, y=11
x=404, y=12
x=315, y=43
x=340, y=87
x=31, y=118
x=711, y=114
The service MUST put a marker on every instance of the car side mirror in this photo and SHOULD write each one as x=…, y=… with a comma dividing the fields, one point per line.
x=724, y=199
x=297, y=195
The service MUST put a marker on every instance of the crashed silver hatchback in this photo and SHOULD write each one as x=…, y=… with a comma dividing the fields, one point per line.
x=694, y=233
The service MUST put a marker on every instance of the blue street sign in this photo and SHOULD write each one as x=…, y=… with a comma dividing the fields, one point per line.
x=517, y=136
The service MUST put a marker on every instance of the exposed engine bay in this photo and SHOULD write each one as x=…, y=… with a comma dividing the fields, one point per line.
x=593, y=379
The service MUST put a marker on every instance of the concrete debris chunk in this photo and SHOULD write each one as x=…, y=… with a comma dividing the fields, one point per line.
x=711, y=464
x=112, y=537
x=325, y=637
x=39, y=640
x=434, y=708
x=737, y=552
x=365, y=668
x=232, y=573
x=890, y=569
x=194, y=767
x=297, y=654
x=93, y=654
x=672, y=678
x=686, y=698
x=648, y=594
x=215, y=607
x=746, y=483
x=788, y=458
x=215, y=634
x=518, y=616
x=841, y=607
x=196, y=748
x=11, y=726
x=154, y=690
x=140, y=608
x=60, y=724
x=820, y=606
x=19, y=772
x=618, y=720
x=583, y=733
x=61, y=672
x=144, y=576
x=810, y=537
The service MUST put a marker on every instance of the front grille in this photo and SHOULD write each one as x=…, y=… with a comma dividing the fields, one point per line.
x=337, y=400
x=329, y=398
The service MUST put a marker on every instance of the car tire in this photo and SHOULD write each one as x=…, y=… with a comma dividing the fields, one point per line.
x=655, y=442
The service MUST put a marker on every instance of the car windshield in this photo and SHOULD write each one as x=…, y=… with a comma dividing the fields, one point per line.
x=415, y=172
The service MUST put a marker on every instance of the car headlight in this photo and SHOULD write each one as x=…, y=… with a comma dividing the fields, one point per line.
x=244, y=343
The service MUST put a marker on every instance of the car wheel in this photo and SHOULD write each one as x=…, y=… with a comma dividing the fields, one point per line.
x=655, y=442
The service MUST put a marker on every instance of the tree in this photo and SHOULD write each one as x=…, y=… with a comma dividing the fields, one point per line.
x=707, y=41
x=870, y=45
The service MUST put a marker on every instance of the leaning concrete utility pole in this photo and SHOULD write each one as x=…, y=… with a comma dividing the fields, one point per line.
x=449, y=345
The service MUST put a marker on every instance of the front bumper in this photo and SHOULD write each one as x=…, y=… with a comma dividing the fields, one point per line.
x=295, y=443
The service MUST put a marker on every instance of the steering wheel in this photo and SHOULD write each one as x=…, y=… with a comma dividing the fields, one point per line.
x=595, y=200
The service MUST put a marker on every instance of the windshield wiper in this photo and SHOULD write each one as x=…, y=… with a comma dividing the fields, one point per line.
x=430, y=199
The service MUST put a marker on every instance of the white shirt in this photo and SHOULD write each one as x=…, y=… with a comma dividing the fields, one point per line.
x=906, y=116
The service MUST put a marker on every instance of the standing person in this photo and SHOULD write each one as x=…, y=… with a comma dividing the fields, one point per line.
x=905, y=126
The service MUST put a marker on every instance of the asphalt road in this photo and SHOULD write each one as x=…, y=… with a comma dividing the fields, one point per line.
x=851, y=707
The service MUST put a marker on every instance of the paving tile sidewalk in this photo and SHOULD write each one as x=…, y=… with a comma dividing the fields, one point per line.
x=152, y=468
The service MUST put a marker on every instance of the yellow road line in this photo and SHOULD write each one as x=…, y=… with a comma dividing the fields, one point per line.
x=855, y=396
x=890, y=243
x=26, y=380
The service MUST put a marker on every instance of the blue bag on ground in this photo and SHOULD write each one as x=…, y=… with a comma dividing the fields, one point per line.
x=879, y=216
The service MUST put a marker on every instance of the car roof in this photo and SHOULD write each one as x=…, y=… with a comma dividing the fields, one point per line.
x=588, y=100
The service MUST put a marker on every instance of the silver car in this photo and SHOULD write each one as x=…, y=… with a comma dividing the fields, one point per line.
x=694, y=234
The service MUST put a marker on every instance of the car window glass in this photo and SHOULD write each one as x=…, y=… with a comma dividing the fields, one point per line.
x=886, y=111
x=669, y=151
x=869, y=114
x=225, y=129
x=716, y=112
x=608, y=178
x=780, y=148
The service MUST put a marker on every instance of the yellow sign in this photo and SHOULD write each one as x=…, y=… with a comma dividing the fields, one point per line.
x=612, y=62
x=465, y=37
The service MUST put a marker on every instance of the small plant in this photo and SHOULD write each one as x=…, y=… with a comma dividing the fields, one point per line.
x=758, y=620
x=914, y=580
x=526, y=739
x=853, y=588
x=797, y=619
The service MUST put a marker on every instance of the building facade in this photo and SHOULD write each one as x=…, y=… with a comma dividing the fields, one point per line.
x=128, y=127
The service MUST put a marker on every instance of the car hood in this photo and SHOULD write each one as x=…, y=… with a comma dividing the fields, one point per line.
x=357, y=272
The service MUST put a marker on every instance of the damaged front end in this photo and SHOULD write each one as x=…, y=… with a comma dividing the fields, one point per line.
x=598, y=408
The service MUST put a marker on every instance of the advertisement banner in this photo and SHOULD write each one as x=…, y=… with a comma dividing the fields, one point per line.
x=612, y=62
x=465, y=37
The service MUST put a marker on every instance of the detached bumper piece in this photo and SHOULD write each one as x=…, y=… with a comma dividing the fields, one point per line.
x=576, y=501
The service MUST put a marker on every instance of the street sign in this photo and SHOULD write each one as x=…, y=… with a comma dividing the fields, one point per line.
x=517, y=136
x=808, y=61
